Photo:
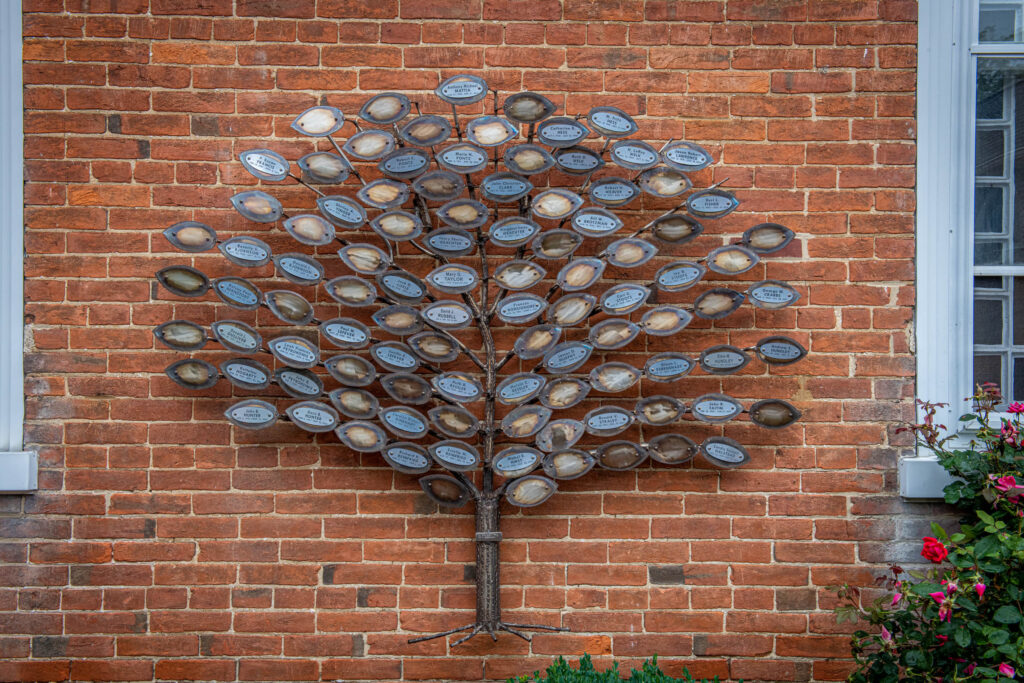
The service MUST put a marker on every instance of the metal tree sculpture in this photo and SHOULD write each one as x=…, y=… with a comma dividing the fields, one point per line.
x=480, y=422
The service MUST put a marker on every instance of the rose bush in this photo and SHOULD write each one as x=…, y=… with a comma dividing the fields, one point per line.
x=960, y=620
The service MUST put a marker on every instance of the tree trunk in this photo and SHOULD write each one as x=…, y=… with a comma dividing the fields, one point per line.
x=488, y=583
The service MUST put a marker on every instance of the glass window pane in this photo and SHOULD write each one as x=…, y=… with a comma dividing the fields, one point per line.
x=1018, y=378
x=988, y=282
x=997, y=22
x=988, y=253
x=988, y=209
x=989, y=154
x=988, y=321
x=1018, y=312
x=988, y=368
x=990, y=95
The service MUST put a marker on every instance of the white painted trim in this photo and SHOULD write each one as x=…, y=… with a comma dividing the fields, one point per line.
x=945, y=111
x=17, y=467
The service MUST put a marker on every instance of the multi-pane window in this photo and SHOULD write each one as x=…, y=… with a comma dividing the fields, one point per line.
x=998, y=253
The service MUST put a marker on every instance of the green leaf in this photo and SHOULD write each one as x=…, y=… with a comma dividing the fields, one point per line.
x=998, y=637
x=939, y=532
x=962, y=637
x=917, y=659
x=1007, y=614
x=984, y=516
x=986, y=546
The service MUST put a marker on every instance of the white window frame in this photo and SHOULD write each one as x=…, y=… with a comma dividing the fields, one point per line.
x=947, y=63
x=18, y=467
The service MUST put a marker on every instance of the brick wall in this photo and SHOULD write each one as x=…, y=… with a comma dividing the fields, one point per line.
x=144, y=558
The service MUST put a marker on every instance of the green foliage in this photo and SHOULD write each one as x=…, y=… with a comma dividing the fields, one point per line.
x=960, y=620
x=561, y=672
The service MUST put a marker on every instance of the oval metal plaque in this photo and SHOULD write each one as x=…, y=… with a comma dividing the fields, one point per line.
x=294, y=352
x=716, y=408
x=265, y=164
x=668, y=367
x=678, y=276
x=594, y=222
x=245, y=373
x=622, y=299
x=724, y=452
x=237, y=292
x=252, y=414
x=453, y=315
x=341, y=211
x=686, y=156
x=407, y=457
x=711, y=203
x=561, y=132
x=345, y=333
x=519, y=388
x=723, y=359
x=567, y=357
x=779, y=350
x=772, y=294
x=455, y=455
x=299, y=268
x=453, y=278
x=313, y=416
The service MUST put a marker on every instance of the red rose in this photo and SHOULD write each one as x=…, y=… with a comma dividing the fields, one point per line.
x=933, y=549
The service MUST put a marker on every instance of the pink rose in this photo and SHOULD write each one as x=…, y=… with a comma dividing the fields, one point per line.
x=896, y=600
x=1015, y=408
x=938, y=597
x=1007, y=670
x=941, y=638
x=980, y=587
x=1006, y=483
x=886, y=636
x=970, y=668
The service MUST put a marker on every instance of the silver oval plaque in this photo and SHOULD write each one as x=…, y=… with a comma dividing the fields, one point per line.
x=236, y=335
x=716, y=408
x=668, y=367
x=252, y=414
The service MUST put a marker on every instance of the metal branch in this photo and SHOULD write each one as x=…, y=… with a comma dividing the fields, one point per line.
x=476, y=630
x=303, y=182
x=442, y=634
x=505, y=627
x=541, y=627
x=349, y=163
x=451, y=337
x=466, y=482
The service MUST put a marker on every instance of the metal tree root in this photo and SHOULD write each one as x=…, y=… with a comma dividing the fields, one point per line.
x=488, y=580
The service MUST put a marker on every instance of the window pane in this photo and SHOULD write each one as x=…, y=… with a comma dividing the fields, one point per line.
x=988, y=209
x=999, y=22
x=988, y=321
x=989, y=153
x=1018, y=312
x=988, y=282
x=988, y=368
x=1018, y=377
x=990, y=95
x=988, y=253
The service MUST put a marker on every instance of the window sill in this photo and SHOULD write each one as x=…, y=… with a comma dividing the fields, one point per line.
x=19, y=472
x=922, y=478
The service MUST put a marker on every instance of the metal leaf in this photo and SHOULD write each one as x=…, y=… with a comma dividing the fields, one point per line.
x=385, y=108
